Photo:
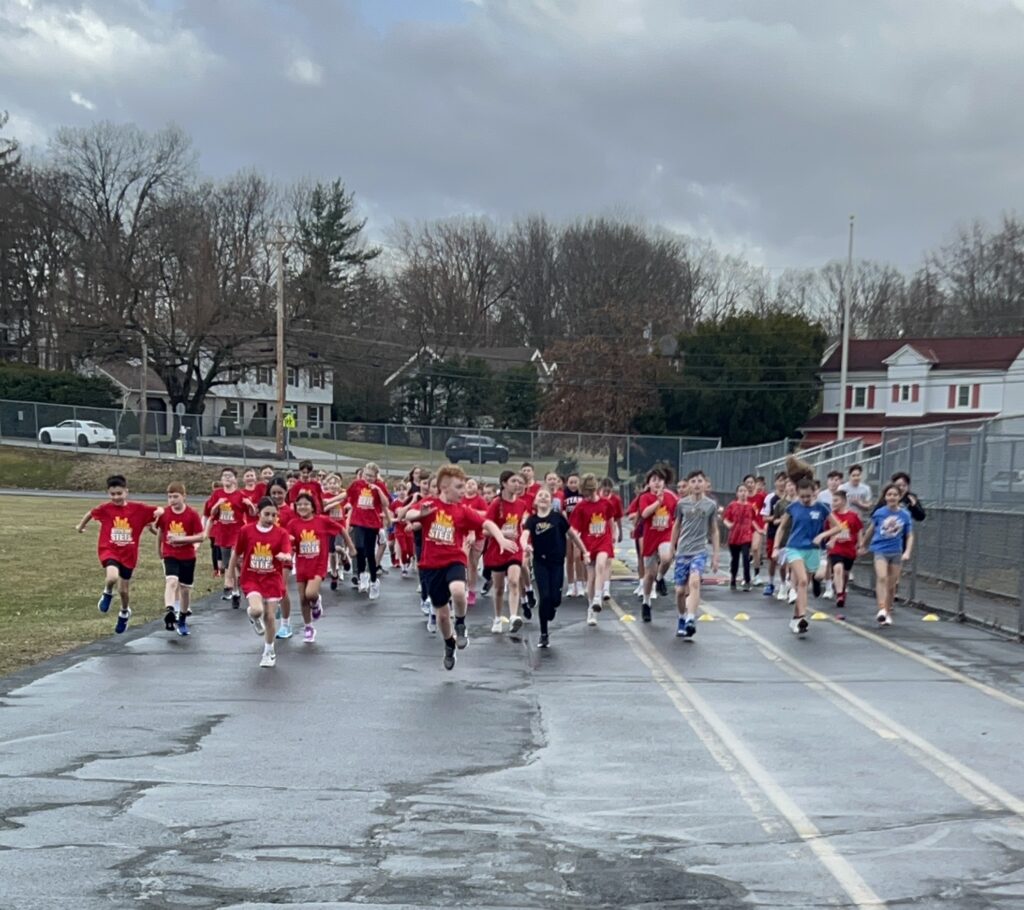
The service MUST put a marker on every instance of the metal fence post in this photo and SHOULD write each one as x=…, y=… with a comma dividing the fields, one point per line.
x=945, y=450
x=979, y=476
x=532, y=456
x=963, y=567
x=913, y=566
x=1020, y=604
x=387, y=451
x=74, y=417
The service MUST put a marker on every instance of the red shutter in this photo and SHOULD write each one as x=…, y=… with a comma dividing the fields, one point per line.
x=895, y=393
x=976, y=395
x=915, y=393
x=952, y=397
x=871, y=397
x=849, y=397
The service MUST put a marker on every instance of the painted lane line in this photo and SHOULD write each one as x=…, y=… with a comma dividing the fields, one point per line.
x=730, y=751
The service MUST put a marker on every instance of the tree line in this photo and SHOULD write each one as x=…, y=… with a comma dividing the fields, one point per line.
x=113, y=238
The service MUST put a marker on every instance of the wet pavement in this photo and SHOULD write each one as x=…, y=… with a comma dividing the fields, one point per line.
x=621, y=768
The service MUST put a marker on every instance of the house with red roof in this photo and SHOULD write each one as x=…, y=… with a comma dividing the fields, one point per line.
x=895, y=383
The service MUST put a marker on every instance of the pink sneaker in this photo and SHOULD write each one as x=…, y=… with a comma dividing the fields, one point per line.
x=309, y=635
x=471, y=599
x=318, y=608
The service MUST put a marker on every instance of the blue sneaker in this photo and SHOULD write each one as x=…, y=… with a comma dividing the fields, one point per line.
x=769, y=590
x=182, y=627
x=284, y=630
x=105, y=598
x=690, y=627
x=122, y=621
x=681, y=628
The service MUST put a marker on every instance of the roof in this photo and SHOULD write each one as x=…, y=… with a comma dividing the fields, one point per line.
x=945, y=353
x=128, y=375
x=498, y=359
x=855, y=421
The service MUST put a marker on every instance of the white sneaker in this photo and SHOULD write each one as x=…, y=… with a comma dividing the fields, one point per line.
x=798, y=626
x=792, y=595
x=581, y=589
x=405, y=571
x=364, y=582
x=496, y=627
x=425, y=607
x=516, y=624
x=654, y=593
x=883, y=618
x=432, y=623
x=257, y=624
x=829, y=593
x=606, y=591
x=375, y=590
x=757, y=579
x=639, y=590
x=269, y=659
x=591, y=617
x=783, y=592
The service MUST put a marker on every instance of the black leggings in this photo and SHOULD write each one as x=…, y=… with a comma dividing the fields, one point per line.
x=736, y=551
x=366, y=550
x=547, y=580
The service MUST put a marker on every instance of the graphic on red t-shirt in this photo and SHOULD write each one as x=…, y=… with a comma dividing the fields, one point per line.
x=743, y=515
x=509, y=517
x=657, y=527
x=228, y=513
x=120, y=530
x=594, y=520
x=310, y=548
x=261, y=571
x=845, y=542
x=184, y=523
x=444, y=532
x=367, y=505
x=312, y=487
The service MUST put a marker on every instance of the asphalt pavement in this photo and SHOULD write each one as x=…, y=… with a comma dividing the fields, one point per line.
x=620, y=768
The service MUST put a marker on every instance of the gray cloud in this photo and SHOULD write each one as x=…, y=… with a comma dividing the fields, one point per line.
x=759, y=125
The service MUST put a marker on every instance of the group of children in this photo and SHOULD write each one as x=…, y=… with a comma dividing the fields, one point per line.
x=533, y=540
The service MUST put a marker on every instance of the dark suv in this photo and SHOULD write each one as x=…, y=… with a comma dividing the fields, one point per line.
x=474, y=449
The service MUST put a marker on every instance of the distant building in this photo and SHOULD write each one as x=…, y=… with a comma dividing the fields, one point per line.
x=498, y=359
x=895, y=383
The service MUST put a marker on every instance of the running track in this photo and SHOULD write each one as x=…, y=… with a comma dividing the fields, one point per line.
x=622, y=768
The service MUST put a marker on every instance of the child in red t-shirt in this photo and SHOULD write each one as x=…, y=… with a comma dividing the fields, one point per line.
x=594, y=520
x=843, y=546
x=121, y=525
x=226, y=510
x=311, y=536
x=263, y=550
x=741, y=518
x=179, y=529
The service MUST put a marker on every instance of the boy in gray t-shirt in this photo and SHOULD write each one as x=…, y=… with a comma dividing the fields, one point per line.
x=858, y=494
x=696, y=523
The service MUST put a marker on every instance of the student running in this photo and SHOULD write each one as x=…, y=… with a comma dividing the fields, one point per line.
x=655, y=510
x=594, y=520
x=890, y=531
x=179, y=529
x=696, y=524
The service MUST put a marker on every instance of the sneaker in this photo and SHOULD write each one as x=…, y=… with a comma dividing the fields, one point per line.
x=746, y=587
x=543, y=642
x=732, y=586
x=226, y=595
x=405, y=571
x=257, y=624
x=769, y=590
x=515, y=625
x=182, y=626
x=816, y=587
x=364, y=582
x=425, y=607
x=645, y=612
x=783, y=592
x=681, y=628
x=309, y=635
x=375, y=590
x=122, y=620
x=355, y=581
x=170, y=621
x=792, y=596
x=596, y=606
x=497, y=627
x=828, y=593
x=689, y=626
x=841, y=600
x=531, y=600
x=432, y=623
x=449, y=657
x=661, y=587
x=236, y=600
x=461, y=635
x=654, y=593
x=334, y=582
x=486, y=588
x=269, y=659
x=471, y=599
x=639, y=589
x=285, y=630
x=526, y=612
x=104, y=602
x=757, y=579
x=798, y=625
x=318, y=608
x=591, y=616
x=883, y=618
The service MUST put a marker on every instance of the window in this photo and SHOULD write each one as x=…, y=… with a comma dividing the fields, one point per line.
x=315, y=417
x=317, y=379
x=292, y=376
x=860, y=396
x=232, y=411
x=905, y=393
x=264, y=376
x=963, y=396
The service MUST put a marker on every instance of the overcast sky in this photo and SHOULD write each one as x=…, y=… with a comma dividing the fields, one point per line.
x=760, y=124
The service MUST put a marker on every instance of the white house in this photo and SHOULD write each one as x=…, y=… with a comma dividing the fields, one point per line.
x=903, y=382
x=245, y=403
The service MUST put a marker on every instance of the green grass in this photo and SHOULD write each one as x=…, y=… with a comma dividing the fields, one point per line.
x=52, y=580
x=34, y=470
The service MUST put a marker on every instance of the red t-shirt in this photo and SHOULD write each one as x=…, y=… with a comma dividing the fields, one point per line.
x=254, y=496
x=657, y=528
x=310, y=544
x=228, y=513
x=285, y=515
x=744, y=516
x=337, y=511
x=509, y=516
x=367, y=505
x=638, y=523
x=307, y=486
x=444, y=532
x=616, y=502
x=120, y=530
x=257, y=549
x=593, y=521
x=476, y=503
x=187, y=522
x=757, y=501
x=530, y=494
x=845, y=542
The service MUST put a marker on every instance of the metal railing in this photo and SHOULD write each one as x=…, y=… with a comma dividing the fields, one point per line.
x=728, y=466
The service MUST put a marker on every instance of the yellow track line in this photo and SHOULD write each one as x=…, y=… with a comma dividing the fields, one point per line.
x=722, y=743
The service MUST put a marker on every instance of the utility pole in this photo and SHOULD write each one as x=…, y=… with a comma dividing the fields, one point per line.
x=845, y=357
x=144, y=393
x=280, y=243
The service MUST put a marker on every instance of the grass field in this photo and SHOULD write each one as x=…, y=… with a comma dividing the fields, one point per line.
x=52, y=580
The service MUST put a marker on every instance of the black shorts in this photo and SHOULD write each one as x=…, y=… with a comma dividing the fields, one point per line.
x=505, y=566
x=845, y=561
x=182, y=569
x=436, y=583
x=123, y=572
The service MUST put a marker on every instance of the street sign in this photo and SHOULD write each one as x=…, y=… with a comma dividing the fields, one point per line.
x=289, y=420
x=179, y=409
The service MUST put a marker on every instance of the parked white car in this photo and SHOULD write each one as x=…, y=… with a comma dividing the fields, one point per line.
x=80, y=432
